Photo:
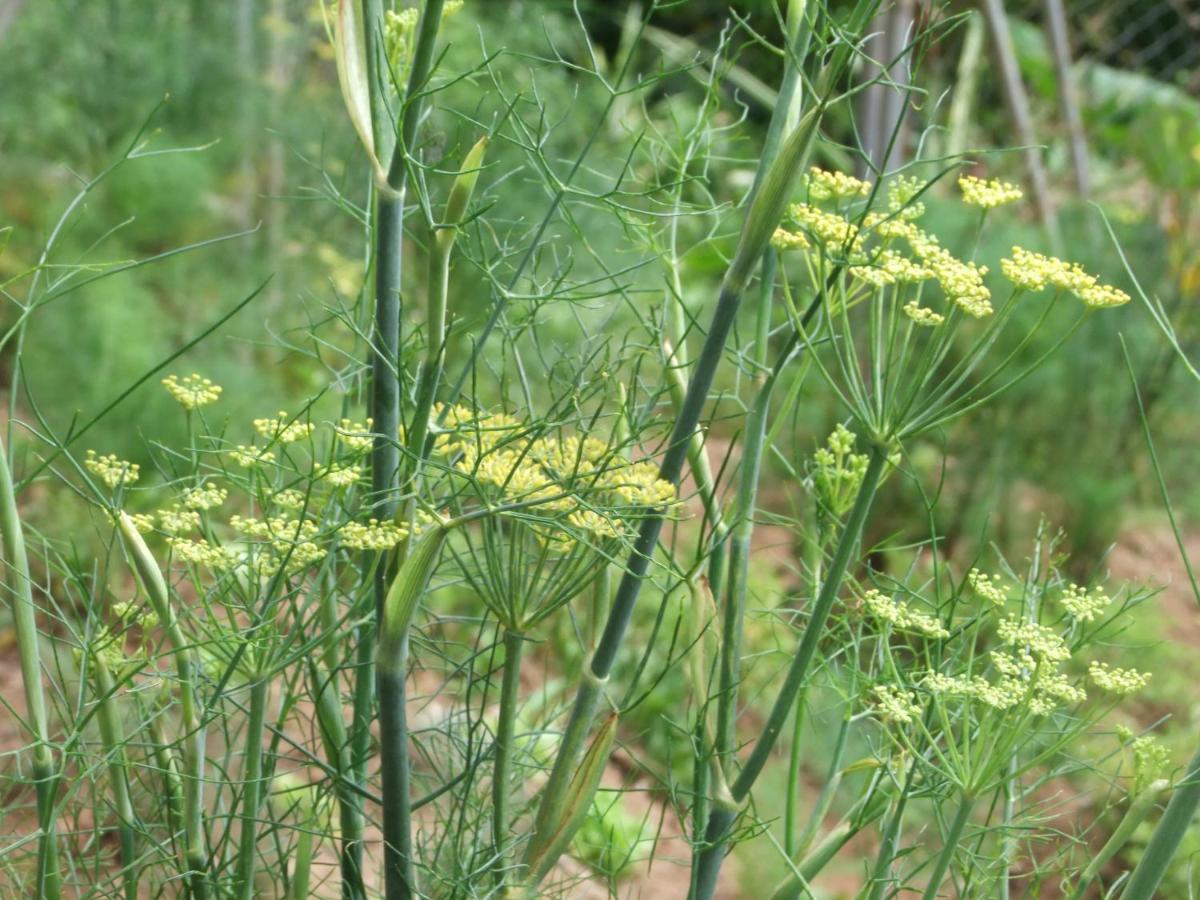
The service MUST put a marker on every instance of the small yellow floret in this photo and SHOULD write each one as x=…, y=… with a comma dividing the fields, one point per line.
x=824, y=185
x=192, y=391
x=986, y=193
x=283, y=428
x=1117, y=681
x=111, y=470
x=922, y=315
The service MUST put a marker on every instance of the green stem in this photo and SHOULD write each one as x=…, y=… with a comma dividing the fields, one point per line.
x=551, y=806
x=24, y=613
x=950, y=842
x=1139, y=809
x=737, y=581
x=113, y=737
x=390, y=685
x=791, y=811
x=164, y=758
x=393, y=745
x=252, y=777
x=709, y=863
x=350, y=813
x=505, y=735
x=1176, y=820
x=186, y=667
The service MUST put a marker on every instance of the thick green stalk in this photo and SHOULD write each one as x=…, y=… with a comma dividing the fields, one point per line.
x=164, y=758
x=24, y=613
x=735, y=591
x=390, y=686
x=1176, y=820
x=1143, y=804
x=337, y=752
x=950, y=844
x=391, y=665
x=791, y=809
x=551, y=807
x=709, y=864
x=764, y=215
x=737, y=582
x=252, y=777
x=505, y=736
x=186, y=667
x=397, y=810
x=112, y=735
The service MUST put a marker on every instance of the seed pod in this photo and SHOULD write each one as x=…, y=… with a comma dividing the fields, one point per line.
x=460, y=194
x=772, y=199
x=546, y=846
x=401, y=601
x=148, y=571
x=350, y=54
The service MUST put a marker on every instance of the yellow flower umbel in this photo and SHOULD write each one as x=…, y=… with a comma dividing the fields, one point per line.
x=824, y=185
x=901, y=617
x=192, y=391
x=987, y=193
x=248, y=457
x=922, y=315
x=283, y=428
x=204, y=497
x=111, y=470
x=356, y=435
x=1031, y=271
x=1117, y=681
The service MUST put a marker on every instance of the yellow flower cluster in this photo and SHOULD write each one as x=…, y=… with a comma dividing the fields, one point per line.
x=988, y=587
x=783, y=239
x=111, y=470
x=899, y=615
x=923, y=315
x=550, y=470
x=1084, y=605
x=342, y=476
x=961, y=282
x=275, y=528
x=204, y=497
x=1032, y=271
x=831, y=231
x=986, y=193
x=374, y=535
x=142, y=522
x=192, y=391
x=290, y=539
x=248, y=457
x=356, y=435
x=895, y=705
x=178, y=520
x=202, y=553
x=462, y=431
x=638, y=484
x=570, y=455
x=889, y=267
x=289, y=499
x=824, y=185
x=1004, y=694
x=595, y=524
x=838, y=471
x=901, y=191
x=1045, y=644
x=283, y=428
x=1117, y=681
